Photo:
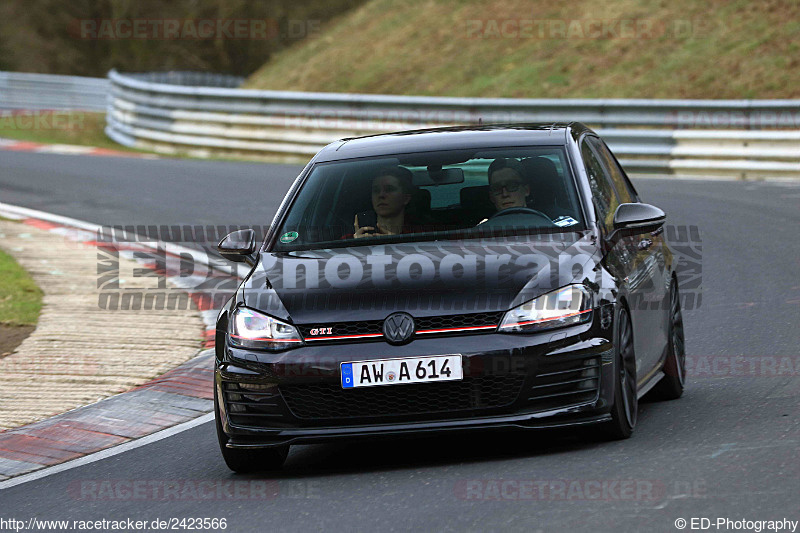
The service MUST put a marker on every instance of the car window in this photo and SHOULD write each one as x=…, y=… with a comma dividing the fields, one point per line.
x=618, y=178
x=604, y=196
x=435, y=192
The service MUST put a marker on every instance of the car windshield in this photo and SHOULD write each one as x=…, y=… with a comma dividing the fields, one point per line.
x=429, y=195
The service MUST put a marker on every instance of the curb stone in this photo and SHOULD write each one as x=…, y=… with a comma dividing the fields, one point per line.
x=12, y=145
x=177, y=396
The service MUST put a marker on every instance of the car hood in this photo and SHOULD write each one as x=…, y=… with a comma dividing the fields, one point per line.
x=422, y=278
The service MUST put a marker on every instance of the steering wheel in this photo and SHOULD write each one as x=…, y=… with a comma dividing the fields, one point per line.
x=521, y=211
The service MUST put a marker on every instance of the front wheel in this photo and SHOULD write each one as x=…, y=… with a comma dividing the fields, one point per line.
x=671, y=385
x=245, y=461
x=626, y=404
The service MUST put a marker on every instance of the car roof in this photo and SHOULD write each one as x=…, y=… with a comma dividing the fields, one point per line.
x=451, y=138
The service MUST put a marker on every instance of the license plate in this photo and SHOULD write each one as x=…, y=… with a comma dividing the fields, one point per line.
x=401, y=371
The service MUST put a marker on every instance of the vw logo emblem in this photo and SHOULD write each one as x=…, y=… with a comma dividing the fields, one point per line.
x=398, y=328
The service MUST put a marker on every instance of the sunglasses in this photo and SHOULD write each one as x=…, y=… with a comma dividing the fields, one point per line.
x=497, y=188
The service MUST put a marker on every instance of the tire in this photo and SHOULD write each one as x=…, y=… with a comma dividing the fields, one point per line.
x=626, y=405
x=672, y=384
x=245, y=461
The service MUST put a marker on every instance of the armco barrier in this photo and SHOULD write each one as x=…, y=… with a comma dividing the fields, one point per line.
x=206, y=115
x=741, y=138
x=21, y=90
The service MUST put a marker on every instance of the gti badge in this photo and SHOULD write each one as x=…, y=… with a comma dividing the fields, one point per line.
x=322, y=331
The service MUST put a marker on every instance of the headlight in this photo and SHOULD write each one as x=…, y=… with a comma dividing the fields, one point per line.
x=251, y=329
x=563, y=307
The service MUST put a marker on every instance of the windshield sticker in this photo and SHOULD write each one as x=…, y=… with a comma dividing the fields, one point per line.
x=565, y=221
x=289, y=237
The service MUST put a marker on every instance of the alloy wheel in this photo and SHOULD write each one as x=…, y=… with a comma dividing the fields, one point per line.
x=627, y=370
x=677, y=339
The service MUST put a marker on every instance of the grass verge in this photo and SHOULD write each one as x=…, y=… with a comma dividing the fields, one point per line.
x=58, y=127
x=79, y=128
x=20, y=297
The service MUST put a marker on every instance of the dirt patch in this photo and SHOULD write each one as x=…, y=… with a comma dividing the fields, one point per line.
x=11, y=337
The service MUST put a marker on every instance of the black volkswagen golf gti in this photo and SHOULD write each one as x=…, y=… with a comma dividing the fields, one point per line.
x=448, y=279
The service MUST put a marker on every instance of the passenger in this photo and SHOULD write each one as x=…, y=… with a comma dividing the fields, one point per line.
x=507, y=186
x=392, y=190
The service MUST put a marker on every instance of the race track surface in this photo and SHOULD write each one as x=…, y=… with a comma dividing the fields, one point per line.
x=728, y=448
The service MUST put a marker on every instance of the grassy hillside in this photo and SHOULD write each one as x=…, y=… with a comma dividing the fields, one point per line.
x=537, y=48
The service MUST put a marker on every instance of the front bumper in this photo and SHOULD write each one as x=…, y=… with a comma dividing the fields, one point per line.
x=544, y=380
x=318, y=435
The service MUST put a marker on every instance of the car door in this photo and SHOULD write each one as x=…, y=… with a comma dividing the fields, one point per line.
x=650, y=254
x=631, y=260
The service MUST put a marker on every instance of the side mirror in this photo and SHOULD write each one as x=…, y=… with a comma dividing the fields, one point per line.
x=635, y=219
x=238, y=246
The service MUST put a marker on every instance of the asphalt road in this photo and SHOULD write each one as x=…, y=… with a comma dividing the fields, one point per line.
x=728, y=448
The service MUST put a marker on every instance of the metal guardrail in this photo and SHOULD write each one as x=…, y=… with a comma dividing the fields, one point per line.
x=207, y=115
x=22, y=90
x=744, y=138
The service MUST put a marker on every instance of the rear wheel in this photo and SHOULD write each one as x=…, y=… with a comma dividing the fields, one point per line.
x=626, y=405
x=245, y=461
x=671, y=385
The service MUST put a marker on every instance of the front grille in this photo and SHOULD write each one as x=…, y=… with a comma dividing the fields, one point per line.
x=372, y=327
x=251, y=404
x=331, y=401
x=561, y=383
x=458, y=321
x=363, y=327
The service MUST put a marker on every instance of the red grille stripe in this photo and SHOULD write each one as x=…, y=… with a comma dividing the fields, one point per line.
x=446, y=330
x=344, y=337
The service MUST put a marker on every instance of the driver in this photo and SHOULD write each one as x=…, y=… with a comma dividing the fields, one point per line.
x=507, y=187
x=392, y=190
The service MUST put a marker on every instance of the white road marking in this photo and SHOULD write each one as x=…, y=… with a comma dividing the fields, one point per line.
x=17, y=212
x=108, y=452
x=722, y=449
x=201, y=257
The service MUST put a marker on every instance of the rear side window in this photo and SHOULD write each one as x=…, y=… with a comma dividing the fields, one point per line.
x=624, y=189
x=604, y=196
